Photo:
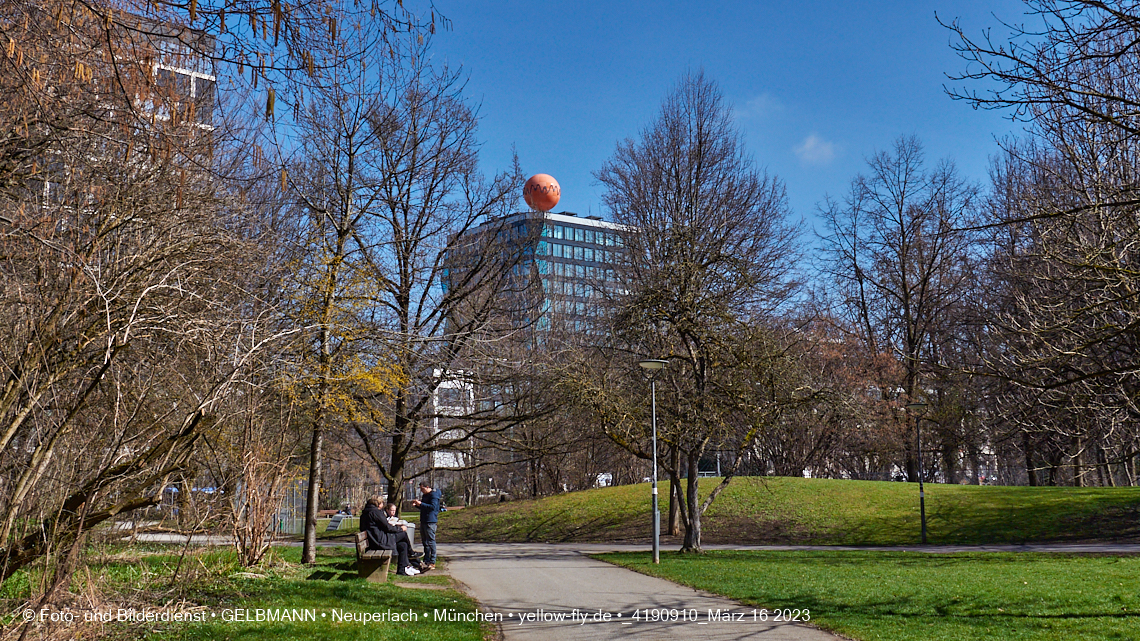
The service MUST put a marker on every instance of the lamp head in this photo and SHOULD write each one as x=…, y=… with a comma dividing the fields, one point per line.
x=652, y=367
x=916, y=406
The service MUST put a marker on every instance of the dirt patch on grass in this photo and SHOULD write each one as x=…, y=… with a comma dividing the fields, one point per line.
x=749, y=531
x=1116, y=524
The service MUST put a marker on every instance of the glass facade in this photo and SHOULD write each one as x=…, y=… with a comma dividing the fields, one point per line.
x=571, y=263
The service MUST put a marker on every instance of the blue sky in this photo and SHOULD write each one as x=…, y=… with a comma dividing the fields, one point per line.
x=816, y=87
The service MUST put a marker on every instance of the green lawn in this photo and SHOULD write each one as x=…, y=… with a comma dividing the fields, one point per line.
x=823, y=511
x=212, y=583
x=900, y=596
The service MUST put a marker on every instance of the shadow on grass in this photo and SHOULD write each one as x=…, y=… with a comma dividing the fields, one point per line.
x=1061, y=521
x=335, y=572
x=881, y=514
x=951, y=520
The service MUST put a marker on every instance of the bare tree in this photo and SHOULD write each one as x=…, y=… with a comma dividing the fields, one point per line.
x=1070, y=60
x=130, y=270
x=899, y=258
x=1064, y=317
x=1064, y=234
x=708, y=251
x=387, y=181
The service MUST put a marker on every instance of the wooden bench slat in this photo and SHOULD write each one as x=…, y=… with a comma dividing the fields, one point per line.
x=371, y=564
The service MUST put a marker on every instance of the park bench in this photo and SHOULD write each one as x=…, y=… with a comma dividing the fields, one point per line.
x=371, y=564
x=334, y=524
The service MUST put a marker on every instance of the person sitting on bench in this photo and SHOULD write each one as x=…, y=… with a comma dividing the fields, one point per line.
x=385, y=536
x=395, y=520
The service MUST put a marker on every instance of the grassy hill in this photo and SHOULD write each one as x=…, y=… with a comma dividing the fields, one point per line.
x=818, y=511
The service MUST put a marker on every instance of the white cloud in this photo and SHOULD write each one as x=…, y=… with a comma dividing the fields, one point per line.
x=815, y=150
x=760, y=107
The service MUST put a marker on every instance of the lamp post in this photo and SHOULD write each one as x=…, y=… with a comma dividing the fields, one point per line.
x=916, y=407
x=652, y=368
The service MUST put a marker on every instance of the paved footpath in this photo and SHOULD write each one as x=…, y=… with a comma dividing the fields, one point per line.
x=559, y=590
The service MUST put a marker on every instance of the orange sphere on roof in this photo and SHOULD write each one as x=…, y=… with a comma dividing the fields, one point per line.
x=542, y=192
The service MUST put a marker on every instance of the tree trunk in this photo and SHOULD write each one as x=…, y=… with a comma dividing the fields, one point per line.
x=674, y=493
x=1105, y=471
x=950, y=463
x=1027, y=446
x=309, y=550
x=693, y=531
x=184, y=487
x=1078, y=465
x=1055, y=467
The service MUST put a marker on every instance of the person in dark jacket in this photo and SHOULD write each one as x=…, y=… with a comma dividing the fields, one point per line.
x=428, y=504
x=382, y=535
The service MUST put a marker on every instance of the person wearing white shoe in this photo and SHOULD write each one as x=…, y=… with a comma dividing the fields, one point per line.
x=385, y=536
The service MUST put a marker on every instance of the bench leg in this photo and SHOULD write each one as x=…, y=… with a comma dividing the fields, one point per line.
x=373, y=570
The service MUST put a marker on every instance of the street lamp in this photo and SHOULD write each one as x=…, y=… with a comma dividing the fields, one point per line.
x=653, y=367
x=916, y=407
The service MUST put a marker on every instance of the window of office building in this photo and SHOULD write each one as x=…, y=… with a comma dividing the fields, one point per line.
x=589, y=236
x=452, y=396
x=579, y=234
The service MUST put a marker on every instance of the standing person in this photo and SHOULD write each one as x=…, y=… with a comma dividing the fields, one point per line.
x=382, y=535
x=429, y=519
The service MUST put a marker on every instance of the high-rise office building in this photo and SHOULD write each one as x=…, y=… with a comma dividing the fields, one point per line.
x=564, y=263
x=560, y=268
